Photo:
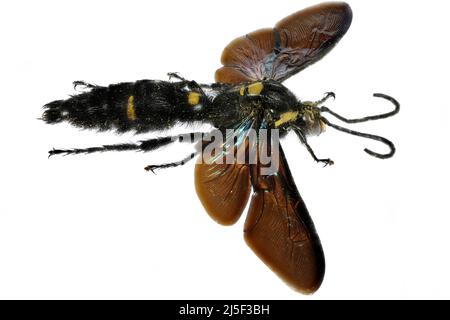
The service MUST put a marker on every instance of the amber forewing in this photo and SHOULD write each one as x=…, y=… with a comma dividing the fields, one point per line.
x=296, y=42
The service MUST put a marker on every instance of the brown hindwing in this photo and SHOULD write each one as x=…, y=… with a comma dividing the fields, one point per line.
x=280, y=231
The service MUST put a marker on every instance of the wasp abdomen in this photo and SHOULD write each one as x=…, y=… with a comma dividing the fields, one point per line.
x=141, y=106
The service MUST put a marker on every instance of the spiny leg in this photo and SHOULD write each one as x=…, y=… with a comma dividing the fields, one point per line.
x=317, y=103
x=327, y=96
x=176, y=75
x=152, y=167
x=84, y=84
x=191, y=83
x=327, y=162
x=145, y=145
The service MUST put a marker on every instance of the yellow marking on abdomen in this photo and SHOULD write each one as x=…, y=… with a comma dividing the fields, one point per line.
x=194, y=98
x=131, y=112
x=286, y=117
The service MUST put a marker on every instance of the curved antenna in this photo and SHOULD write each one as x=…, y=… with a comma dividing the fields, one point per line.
x=369, y=118
x=368, y=136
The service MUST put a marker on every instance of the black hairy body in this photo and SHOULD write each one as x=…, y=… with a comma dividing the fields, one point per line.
x=159, y=105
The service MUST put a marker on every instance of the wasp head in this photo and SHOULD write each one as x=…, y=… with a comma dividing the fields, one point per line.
x=310, y=120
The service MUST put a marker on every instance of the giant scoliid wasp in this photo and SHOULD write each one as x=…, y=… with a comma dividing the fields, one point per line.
x=248, y=96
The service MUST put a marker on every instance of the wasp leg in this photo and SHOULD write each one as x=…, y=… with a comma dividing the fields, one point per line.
x=83, y=84
x=327, y=96
x=176, y=75
x=152, y=167
x=326, y=162
x=144, y=145
x=190, y=83
x=317, y=103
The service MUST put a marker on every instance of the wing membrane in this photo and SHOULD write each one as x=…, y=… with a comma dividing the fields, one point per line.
x=280, y=231
x=296, y=42
x=223, y=189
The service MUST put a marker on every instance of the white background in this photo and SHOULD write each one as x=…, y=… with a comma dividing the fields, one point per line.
x=99, y=226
